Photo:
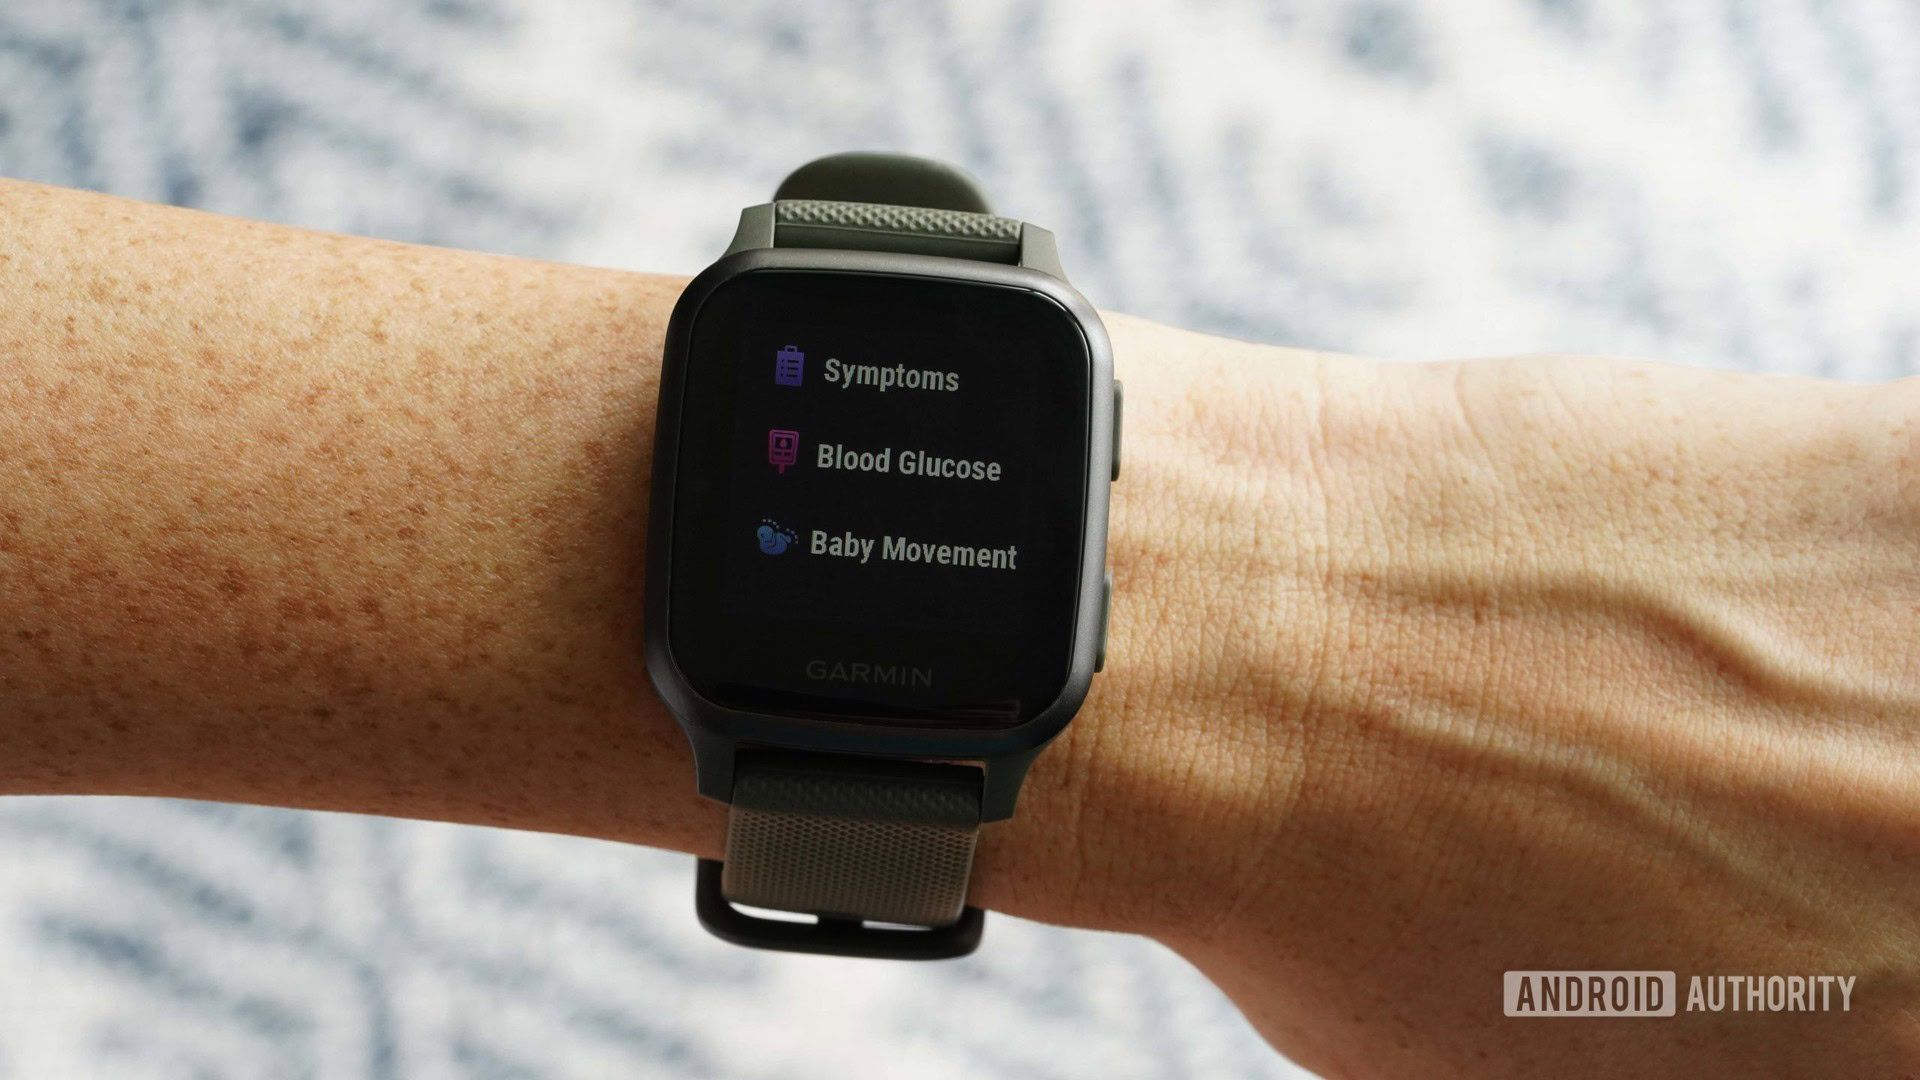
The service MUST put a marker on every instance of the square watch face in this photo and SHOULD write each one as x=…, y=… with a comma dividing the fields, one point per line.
x=880, y=499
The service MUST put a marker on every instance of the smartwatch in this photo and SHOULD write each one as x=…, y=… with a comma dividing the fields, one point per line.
x=876, y=582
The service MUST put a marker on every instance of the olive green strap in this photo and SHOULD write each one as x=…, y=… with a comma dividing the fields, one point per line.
x=852, y=838
x=846, y=838
x=917, y=230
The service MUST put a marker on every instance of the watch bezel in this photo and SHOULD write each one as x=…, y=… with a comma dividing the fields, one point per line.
x=715, y=730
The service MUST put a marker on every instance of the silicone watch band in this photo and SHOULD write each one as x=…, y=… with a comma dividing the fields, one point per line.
x=891, y=179
x=891, y=202
x=824, y=223
x=853, y=840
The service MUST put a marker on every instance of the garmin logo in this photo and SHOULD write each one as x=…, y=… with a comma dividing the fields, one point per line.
x=869, y=674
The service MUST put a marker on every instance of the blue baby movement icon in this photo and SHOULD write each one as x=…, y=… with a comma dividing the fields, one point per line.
x=774, y=537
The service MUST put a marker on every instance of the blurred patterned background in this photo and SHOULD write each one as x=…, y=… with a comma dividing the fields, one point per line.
x=1713, y=182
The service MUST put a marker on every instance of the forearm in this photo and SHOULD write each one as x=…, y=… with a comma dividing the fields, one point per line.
x=326, y=522
x=319, y=521
x=1416, y=674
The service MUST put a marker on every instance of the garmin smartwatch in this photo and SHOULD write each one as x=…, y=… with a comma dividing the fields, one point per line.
x=876, y=581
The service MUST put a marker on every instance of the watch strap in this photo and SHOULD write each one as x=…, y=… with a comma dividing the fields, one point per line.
x=856, y=841
x=852, y=838
x=893, y=179
x=891, y=202
x=916, y=230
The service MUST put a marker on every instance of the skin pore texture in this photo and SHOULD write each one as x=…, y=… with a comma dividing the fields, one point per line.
x=1418, y=673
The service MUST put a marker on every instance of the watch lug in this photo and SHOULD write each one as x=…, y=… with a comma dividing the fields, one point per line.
x=1039, y=252
x=713, y=758
x=755, y=231
x=1000, y=787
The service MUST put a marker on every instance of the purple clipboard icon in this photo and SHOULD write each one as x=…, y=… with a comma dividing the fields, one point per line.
x=788, y=365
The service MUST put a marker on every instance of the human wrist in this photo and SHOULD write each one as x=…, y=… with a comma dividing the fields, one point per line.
x=1604, y=635
x=1130, y=819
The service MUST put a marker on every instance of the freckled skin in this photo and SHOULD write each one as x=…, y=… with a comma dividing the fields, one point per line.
x=1416, y=674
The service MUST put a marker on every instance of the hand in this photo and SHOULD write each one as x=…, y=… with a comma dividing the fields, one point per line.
x=1425, y=673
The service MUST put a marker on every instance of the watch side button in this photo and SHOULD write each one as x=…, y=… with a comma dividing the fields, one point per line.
x=1118, y=398
x=1106, y=620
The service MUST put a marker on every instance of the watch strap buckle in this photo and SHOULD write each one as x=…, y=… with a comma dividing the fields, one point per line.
x=830, y=936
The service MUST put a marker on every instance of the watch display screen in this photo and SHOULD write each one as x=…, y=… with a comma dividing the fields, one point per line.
x=879, y=501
